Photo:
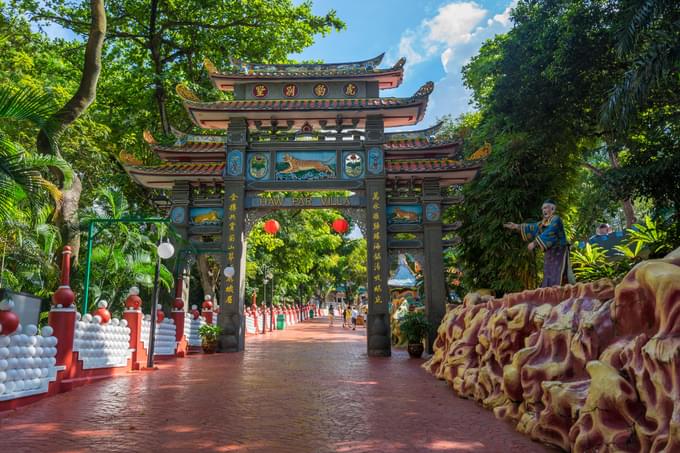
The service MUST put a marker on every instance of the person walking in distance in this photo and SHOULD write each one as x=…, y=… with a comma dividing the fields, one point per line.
x=330, y=315
x=355, y=313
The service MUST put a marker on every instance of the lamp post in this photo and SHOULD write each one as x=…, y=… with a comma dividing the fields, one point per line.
x=264, y=304
x=300, y=304
x=270, y=277
x=165, y=251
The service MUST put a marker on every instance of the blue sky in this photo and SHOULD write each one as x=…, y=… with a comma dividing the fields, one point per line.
x=437, y=37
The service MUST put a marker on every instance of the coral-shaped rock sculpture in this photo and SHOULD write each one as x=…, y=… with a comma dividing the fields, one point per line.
x=586, y=367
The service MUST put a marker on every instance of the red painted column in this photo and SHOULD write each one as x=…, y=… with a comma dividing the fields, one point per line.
x=133, y=315
x=62, y=317
x=253, y=310
x=178, y=316
x=63, y=323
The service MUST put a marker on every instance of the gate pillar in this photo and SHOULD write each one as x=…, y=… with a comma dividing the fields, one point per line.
x=378, y=327
x=434, y=280
x=232, y=289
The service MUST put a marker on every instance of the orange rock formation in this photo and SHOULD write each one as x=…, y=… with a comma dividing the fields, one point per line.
x=586, y=367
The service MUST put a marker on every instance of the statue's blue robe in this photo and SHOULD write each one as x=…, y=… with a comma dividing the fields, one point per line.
x=550, y=237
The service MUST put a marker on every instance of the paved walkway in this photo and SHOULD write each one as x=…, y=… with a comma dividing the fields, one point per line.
x=310, y=388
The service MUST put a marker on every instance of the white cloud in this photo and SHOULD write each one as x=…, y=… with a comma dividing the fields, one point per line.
x=454, y=34
x=454, y=23
x=406, y=48
x=504, y=17
x=445, y=57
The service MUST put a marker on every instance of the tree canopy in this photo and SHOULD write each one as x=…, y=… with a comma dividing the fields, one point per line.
x=540, y=90
x=149, y=48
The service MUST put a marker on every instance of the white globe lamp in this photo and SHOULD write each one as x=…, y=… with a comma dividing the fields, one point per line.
x=165, y=250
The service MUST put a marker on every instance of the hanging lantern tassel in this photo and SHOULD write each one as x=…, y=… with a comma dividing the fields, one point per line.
x=271, y=226
x=340, y=226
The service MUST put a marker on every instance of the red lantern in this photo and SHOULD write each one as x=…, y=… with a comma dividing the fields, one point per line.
x=271, y=226
x=340, y=226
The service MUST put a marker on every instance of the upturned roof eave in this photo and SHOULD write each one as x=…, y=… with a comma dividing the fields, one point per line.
x=461, y=175
x=151, y=177
x=373, y=61
x=291, y=113
x=386, y=78
x=454, y=146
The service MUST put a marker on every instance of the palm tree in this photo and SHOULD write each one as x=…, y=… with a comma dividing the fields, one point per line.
x=122, y=253
x=21, y=180
x=649, y=41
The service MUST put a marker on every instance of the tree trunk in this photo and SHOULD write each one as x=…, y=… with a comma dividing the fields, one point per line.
x=154, y=44
x=68, y=222
x=628, y=210
x=206, y=279
x=47, y=142
x=160, y=100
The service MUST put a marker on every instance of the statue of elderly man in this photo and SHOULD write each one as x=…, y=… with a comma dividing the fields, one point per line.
x=549, y=236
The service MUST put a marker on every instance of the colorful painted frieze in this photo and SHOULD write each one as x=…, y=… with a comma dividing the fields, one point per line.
x=206, y=216
x=305, y=166
x=404, y=214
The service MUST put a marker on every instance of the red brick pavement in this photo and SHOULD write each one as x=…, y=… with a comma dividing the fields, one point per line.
x=310, y=388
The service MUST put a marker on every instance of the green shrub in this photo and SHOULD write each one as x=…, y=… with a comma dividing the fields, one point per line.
x=415, y=326
x=209, y=332
x=646, y=240
x=592, y=263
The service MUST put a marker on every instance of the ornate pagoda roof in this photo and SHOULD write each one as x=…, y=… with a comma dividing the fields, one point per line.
x=420, y=143
x=164, y=176
x=426, y=134
x=242, y=72
x=449, y=171
x=189, y=148
x=395, y=111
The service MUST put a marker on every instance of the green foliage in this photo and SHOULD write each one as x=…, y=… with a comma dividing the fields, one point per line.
x=123, y=255
x=152, y=46
x=645, y=240
x=143, y=59
x=21, y=180
x=591, y=264
x=537, y=89
x=209, y=332
x=649, y=46
x=649, y=237
x=650, y=162
x=415, y=326
x=306, y=256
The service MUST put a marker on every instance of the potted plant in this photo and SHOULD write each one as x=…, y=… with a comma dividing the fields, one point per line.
x=415, y=327
x=209, y=334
